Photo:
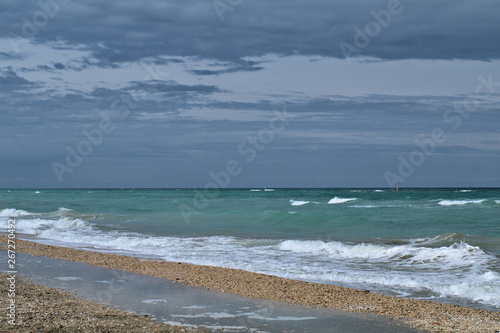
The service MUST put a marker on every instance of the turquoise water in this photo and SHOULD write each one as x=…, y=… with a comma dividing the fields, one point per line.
x=441, y=244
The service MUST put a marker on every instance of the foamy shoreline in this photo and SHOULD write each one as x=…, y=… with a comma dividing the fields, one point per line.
x=421, y=314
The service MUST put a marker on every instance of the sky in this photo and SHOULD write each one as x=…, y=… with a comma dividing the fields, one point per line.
x=239, y=93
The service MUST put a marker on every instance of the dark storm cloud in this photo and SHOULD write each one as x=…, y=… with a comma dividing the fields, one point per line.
x=129, y=30
x=183, y=131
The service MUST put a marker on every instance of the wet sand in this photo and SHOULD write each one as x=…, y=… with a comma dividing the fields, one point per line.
x=426, y=315
x=43, y=309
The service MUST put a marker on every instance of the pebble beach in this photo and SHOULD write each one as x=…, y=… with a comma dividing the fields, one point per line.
x=425, y=315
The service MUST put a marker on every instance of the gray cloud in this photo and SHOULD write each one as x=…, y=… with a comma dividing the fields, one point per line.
x=10, y=81
x=130, y=30
x=236, y=66
x=171, y=87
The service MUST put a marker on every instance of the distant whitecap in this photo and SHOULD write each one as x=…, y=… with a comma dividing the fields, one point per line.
x=340, y=200
x=298, y=202
x=460, y=202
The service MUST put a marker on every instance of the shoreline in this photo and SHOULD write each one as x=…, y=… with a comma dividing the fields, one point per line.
x=418, y=313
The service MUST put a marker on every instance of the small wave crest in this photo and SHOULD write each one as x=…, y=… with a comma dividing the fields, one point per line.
x=298, y=202
x=337, y=200
x=460, y=202
x=449, y=239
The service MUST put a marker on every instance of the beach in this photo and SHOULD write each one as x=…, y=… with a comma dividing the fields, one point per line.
x=426, y=315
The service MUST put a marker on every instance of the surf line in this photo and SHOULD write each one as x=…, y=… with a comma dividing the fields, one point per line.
x=248, y=148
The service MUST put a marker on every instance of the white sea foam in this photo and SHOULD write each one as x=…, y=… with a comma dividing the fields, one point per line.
x=155, y=301
x=269, y=189
x=288, y=318
x=68, y=278
x=460, y=202
x=497, y=201
x=465, y=191
x=195, y=307
x=298, y=202
x=255, y=190
x=379, y=191
x=340, y=200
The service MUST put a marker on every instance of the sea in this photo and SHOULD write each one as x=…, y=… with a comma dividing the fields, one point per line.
x=434, y=244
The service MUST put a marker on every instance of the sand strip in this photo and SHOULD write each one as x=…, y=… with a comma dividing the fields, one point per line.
x=421, y=314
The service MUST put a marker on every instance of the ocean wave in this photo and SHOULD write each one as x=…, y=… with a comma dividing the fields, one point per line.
x=12, y=212
x=460, y=202
x=52, y=228
x=298, y=202
x=47, y=224
x=403, y=254
x=468, y=269
x=340, y=200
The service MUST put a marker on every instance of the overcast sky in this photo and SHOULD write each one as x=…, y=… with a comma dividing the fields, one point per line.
x=240, y=93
